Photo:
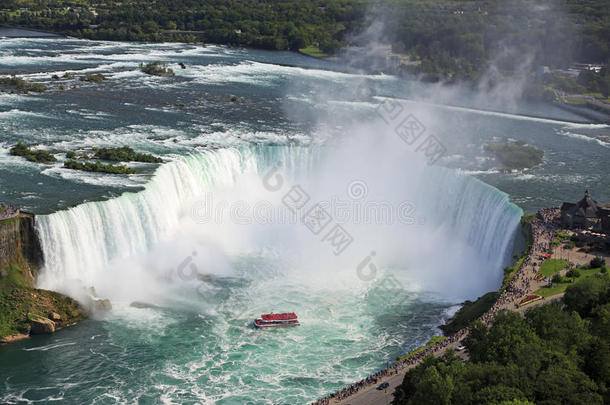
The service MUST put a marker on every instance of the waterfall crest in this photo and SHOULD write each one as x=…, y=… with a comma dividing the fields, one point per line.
x=472, y=223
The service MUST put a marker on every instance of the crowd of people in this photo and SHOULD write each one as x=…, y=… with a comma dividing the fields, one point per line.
x=543, y=229
x=394, y=369
x=8, y=211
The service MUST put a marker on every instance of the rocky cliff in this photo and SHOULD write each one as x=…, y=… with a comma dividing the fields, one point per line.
x=25, y=310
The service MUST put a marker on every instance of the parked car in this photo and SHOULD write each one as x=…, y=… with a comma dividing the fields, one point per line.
x=459, y=348
x=383, y=386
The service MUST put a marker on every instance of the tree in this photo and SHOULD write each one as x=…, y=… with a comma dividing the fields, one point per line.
x=586, y=294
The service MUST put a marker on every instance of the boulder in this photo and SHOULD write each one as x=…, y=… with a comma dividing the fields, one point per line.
x=139, y=304
x=54, y=316
x=41, y=326
x=102, y=304
x=13, y=338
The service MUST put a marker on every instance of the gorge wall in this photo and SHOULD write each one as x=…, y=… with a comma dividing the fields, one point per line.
x=19, y=244
x=25, y=310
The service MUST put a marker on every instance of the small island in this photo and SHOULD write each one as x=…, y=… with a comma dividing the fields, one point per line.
x=38, y=156
x=120, y=154
x=98, y=167
x=514, y=155
x=124, y=154
x=93, y=78
x=22, y=85
x=157, y=68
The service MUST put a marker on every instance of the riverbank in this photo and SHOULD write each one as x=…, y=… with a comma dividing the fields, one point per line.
x=599, y=115
x=18, y=32
x=523, y=283
x=24, y=309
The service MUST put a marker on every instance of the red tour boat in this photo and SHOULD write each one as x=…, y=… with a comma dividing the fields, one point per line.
x=283, y=320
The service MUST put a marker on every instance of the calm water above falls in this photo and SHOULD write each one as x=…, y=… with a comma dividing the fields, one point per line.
x=323, y=131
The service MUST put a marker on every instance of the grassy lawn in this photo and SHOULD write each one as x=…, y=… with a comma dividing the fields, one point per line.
x=313, y=51
x=573, y=100
x=19, y=303
x=8, y=221
x=552, y=266
x=558, y=288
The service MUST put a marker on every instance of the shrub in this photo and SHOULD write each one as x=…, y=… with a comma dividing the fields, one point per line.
x=574, y=273
x=597, y=262
x=71, y=154
x=125, y=154
x=98, y=167
x=557, y=278
x=514, y=155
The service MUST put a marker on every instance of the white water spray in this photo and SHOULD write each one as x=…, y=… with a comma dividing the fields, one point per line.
x=454, y=242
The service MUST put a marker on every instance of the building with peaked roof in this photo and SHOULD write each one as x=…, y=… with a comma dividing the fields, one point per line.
x=586, y=214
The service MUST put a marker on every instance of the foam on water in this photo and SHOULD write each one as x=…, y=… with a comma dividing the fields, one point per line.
x=586, y=138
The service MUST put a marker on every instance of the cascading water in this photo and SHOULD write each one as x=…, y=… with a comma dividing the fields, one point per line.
x=470, y=221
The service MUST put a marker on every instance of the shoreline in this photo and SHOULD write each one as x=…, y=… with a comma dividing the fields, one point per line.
x=543, y=228
x=592, y=116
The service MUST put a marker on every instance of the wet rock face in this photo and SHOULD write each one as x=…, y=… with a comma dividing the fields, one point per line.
x=142, y=305
x=19, y=239
x=9, y=241
x=41, y=326
x=30, y=242
x=102, y=304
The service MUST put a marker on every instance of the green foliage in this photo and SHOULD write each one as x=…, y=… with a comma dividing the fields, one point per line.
x=94, y=78
x=98, y=167
x=156, y=69
x=551, y=266
x=314, y=51
x=597, y=262
x=556, y=354
x=510, y=271
x=433, y=340
x=560, y=287
x=453, y=40
x=71, y=154
x=38, y=156
x=587, y=294
x=573, y=273
x=22, y=85
x=469, y=312
x=515, y=155
x=125, y=154
x=19, y=301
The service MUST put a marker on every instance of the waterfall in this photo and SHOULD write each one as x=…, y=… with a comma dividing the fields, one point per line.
x=471, y=222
